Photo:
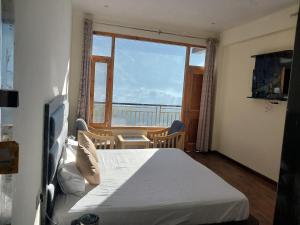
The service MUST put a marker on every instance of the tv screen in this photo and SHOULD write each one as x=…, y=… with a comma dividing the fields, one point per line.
x=271, y=75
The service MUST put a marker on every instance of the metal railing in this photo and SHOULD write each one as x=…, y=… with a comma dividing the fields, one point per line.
x=132, y=114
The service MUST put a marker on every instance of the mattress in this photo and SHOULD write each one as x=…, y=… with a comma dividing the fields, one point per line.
x=154, y=187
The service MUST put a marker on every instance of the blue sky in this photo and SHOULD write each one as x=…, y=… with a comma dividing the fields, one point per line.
x=144, y=72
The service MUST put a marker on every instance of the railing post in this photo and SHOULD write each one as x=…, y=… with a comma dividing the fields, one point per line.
x=158, y=114
x=156, y=109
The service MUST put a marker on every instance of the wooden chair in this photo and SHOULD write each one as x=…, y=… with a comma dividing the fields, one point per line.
x=158, y=133
x=175, y=140
x=81, y=125
x=101, y=141
x=100, y=132
x=172, y=137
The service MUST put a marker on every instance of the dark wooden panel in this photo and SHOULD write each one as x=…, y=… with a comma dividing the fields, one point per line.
x=192, y=130
x=288, y=197
x=196, y=92
x=9, y=157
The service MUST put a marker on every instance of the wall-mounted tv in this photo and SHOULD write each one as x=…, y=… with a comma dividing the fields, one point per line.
x=271, y=75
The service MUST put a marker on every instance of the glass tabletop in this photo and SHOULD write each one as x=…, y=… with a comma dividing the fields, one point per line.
x=133, y=138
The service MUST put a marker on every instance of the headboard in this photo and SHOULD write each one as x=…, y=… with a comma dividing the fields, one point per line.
x=55, y=133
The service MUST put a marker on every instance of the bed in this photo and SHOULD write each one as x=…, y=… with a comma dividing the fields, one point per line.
x=139, y=186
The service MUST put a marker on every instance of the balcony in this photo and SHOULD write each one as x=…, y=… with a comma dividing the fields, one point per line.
x=129, y=114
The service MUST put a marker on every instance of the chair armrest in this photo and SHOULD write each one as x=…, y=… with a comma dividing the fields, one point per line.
x=157, y=133
x=175, y=140
x=92, y=129
x=100, y=141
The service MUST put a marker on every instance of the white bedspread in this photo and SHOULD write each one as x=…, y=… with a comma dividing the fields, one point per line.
x=154, y=187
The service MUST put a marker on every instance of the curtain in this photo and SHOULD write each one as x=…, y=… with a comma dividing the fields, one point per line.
x=204, y=125
x=84, y=89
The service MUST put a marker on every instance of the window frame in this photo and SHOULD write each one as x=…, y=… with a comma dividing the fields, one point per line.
x=94, y=60
x=110, y=77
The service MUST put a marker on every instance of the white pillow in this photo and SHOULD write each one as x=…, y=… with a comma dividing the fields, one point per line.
x=69, y=178
x=69, y=154
x=72, y=143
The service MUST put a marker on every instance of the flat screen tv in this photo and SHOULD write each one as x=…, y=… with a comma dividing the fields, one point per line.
x=271, y=75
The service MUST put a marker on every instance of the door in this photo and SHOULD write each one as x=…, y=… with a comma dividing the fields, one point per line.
x=191, y=104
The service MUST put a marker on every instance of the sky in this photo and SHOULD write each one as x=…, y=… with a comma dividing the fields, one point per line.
x=144, y=72
x=6, y=67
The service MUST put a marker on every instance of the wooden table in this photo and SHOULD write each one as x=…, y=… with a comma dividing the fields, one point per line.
x=132, y=141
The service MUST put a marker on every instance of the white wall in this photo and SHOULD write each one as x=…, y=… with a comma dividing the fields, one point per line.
x=42, y=52
x=247, y=130
x=75, y=65
x=98, y=26
x=76, y=50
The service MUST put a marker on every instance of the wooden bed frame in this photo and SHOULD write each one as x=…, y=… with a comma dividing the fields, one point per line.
x=55, y=134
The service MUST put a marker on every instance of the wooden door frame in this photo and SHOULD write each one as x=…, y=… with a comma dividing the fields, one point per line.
x=187, y=86
x=185, y=96
x=108, y=61
x=109, y=86
x=186, y=72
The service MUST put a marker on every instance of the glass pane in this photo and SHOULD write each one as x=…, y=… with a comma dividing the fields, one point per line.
x=7, y=75
x=7, y=37
x=102, y=45
x=100, y=92
x=197, y=56
x=7, y=65
x=148, y=83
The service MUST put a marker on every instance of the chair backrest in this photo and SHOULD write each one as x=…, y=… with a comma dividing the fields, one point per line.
x=80, y=126
x=101, y=142
x=175, y=140
x=177, y=126
x=101, y=132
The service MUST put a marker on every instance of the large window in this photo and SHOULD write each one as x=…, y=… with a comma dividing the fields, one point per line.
x=138, y=82
x=148, y=83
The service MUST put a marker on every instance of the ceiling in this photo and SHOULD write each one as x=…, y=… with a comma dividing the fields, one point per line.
x=190, y=16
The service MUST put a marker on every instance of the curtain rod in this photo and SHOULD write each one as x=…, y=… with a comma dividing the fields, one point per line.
x=153, y=31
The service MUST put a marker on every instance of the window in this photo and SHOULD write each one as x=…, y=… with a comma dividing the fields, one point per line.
x=148, y=83
x=102, y=45
x=100, y=92
x=197, y=56
x=137, y=82
x=7, y=72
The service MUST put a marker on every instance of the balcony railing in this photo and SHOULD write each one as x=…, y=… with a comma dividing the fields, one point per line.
x=129, y=114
